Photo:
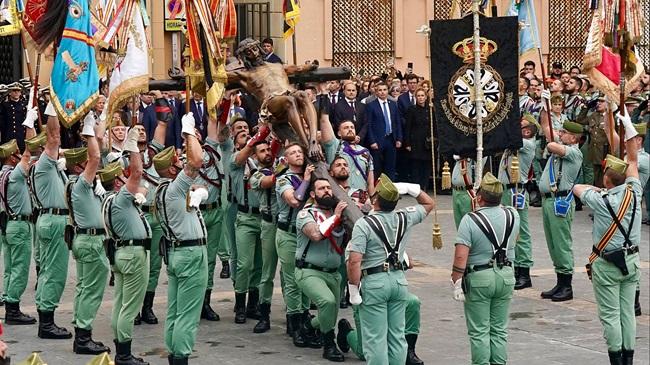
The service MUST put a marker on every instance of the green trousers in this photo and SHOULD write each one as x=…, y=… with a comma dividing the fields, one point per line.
x=216, y=244
x=248, y=229
x=269, y=261
x=461, y=204
x=411, y=317
x=131, y=275
x=487, y=305
x=229, y=213
x=155, y=260
x=558, y=236
x=17, y=253
x=324, y=290
x=382, y=315
x=92, y=274
x=285, y=244
x=36, y=252
x=524, y=246
x=615, y=297
x=54, y=258
x=188, y=278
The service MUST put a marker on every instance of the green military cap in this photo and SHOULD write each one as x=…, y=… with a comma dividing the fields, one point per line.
x=616, y=164
x=165, y=158
x=8, y=149
x=236, y=118
x=74, y=156
x=633, y=100
x=491, y=184
x=572, y=127
x=110, y=172
x=14, y=87
x=641, y=128
x=531, y=119
x=386, y=189
x=34, y=143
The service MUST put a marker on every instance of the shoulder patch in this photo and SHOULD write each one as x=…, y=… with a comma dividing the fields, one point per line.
x=302, y=214
x=410, y=209
x=283, y=182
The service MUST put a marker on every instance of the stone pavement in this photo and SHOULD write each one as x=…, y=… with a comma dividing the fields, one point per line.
x=541, y=332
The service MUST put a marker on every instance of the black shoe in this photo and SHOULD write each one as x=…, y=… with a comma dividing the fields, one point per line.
x=147, y=314
x=637, y=304
x=206, y=311
x=523, y=280
x=111, y=281
x=578, y=205
x=330, y=351
x=311, y=335
x=240, y=308
x=123, y=355
x=565, y=292
x=628, y=357
x=296, y=323
x=252, y=309
x=47, y=328
x=264, y=323
x=225, y=270
x=13, y=315
x=84, y=345
x=344, y=328
x=549, y=293
x=289, y=330
x=411, y=357
x=179, y=361
x=137, y=320
x=616, y=358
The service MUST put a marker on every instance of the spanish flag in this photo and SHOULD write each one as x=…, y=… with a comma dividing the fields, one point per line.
x=291, y=12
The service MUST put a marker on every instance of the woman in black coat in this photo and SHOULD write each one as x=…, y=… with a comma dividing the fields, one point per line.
x=418, y=139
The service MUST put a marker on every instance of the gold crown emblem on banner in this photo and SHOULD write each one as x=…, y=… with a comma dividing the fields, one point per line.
x=465, y=49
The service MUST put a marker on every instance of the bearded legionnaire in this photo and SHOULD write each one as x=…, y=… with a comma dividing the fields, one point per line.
x=482, y=274
x=374, y=260
x=13, y=111
x=614, y=266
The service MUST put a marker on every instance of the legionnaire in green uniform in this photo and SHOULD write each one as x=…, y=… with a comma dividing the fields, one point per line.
x=482, y=274
x=558, y=206
x=374, y=259
x=130, y=236
x=515, y=195
x=35, y=145
x=84, y=201
x=318, y=257
x=185, y=239
x=614, y=262
x=462, y=180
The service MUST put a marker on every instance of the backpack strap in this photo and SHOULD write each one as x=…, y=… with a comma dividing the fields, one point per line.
x=377, y=227
x=161, y=211
x=499, y=249
x=4, y=188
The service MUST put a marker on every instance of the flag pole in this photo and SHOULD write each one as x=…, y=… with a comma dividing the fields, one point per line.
x=546, y=103
x=31, y=75
x=622, y=50
x=293, y=44
x=478, y=94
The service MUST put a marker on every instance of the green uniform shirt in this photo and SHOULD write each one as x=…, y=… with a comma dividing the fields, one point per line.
x=211, y=170
x=359, y=160
x=227, y=150
x=240, y=180
x=285, y=182
x=366, y=242
x=526, y=155
x=86, y=206
x=127, y=221
x=49, y=183
x=319, y=253
x=185, y=225
x=266, y=197
x=457, y=177
x=150, y=178
x=572, y=162
x=602, y=219
x=18, y=197
x=643, y=160
x=481, y=249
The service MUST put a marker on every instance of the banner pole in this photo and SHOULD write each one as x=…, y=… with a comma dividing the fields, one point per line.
x=478, y=94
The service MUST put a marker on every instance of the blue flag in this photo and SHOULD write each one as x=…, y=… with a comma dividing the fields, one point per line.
x=75, y=79
x=528, y=31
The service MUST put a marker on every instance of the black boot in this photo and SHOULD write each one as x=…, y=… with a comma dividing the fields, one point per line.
x=565, y=292
x=628, y=357
x=549, y=293
x=411, y=357
x=523, y=280
x=123, y=355
x=147, y=315
x=13, y=315
x=296, y=323
x=206, y=311
x=265, y=321
x=344, y=328
x=179, y=361
x=170, y=359
x=240, y=308
x=616, y=358
x=330, y=351
x=225, y=270
x=252, y=309
x=637, y=304
x=84, y=345
x=311, y=335
x=289, y=330
x=137, y=320
x=47, y=328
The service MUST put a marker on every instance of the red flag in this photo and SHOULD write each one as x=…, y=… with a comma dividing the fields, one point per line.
x=34, y=10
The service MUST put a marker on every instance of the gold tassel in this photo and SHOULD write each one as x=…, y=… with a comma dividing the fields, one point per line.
x=446, y=176
x=437, y=237
x=514, y=170
x=33, y=359
x=101, y=359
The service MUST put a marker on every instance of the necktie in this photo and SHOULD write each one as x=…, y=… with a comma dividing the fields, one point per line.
x=333, y=99
x=199, y=110
x=352, y=105
x=171, y=103
x=354, y=111
x=412, y=100
x=386, y=118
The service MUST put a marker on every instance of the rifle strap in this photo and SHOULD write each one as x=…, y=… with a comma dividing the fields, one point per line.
x=616, y=222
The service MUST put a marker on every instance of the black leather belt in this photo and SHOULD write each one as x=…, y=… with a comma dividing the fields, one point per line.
x=247, y=209
x=142, y=243
x=557, y=194
x=55, y=211
x=517, y=185
x=147, y=208
x=266, y=217
x=459, y=188
x=21, y=218
x=306, y=265
x=386, y=267
x=631, y=250
x=91, y=231
x=476, y=268
x=209, y=206
x=287, y=227
x=190, y=243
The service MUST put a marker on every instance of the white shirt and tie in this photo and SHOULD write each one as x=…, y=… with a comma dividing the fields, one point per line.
x=386, y=111
x=352, y=105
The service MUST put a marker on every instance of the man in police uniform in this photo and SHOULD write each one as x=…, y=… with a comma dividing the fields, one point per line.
x=12, y=113
x=614, y=262
x=318, y=257
x=483, y=263
x=185, y=236
x=374, y=260
x=558, y=206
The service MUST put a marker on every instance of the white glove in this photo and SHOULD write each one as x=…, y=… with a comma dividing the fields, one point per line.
x=188, y=124
x=355, y=295
x=459, y=296
x=60, y=164
x=197, y=196
x=140, y=198
x=49, y=110
x=407, y=260
x=401, y=188
x=89, y=125
x=408, y=188
x=31, y=117
x=99, y=188
x=546, y=95
x=131, y=144
x=630, y=131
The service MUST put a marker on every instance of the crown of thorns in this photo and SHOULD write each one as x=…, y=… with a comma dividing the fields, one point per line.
x=246, y=44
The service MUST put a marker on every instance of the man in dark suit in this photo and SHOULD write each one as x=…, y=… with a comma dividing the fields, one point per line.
x=146, y=115
x=404, y=102
x=267, y=46
x=173, y=137
x=347, y=108
x=200, y=112
x=384, y=131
